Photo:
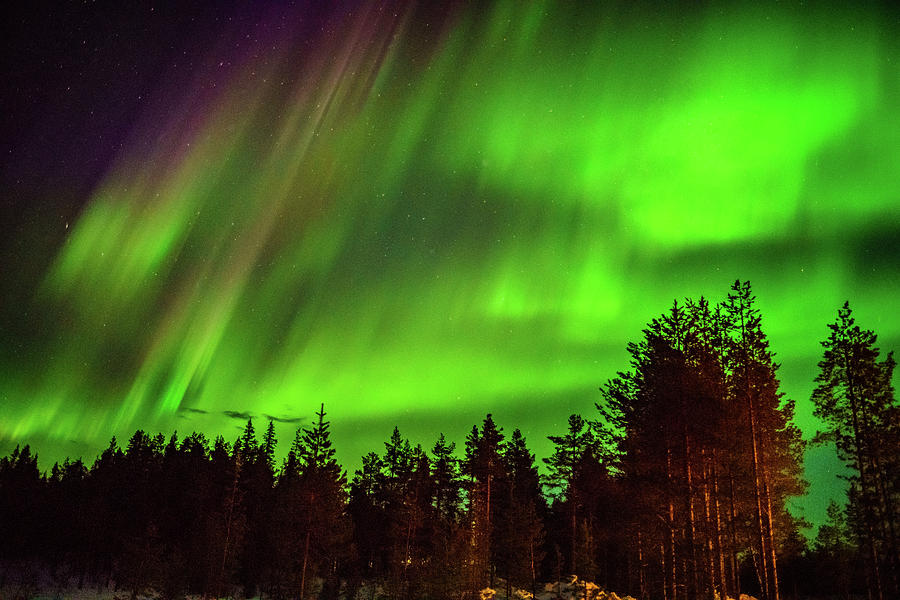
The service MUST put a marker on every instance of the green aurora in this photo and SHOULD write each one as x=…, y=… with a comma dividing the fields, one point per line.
x=419, y=220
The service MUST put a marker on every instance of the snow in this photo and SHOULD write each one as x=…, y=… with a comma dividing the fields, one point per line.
x=570, y=589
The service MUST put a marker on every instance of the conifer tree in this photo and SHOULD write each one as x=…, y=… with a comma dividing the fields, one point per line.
x=369, y=518
x=256, y=483
x=246, y=444
x=699, y=425
x=447, y=547
x=392, y=493
x=267, y=448
x=20, y=481
x=833, y=551
x=229, y=521
x=775, y=444
x=322, y=498
x=569, y=449
x=855, y=399
x=521, y=530
x=445, y=472
x=484, y=466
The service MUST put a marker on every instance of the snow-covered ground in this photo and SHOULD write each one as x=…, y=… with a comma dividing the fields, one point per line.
x=570, y=589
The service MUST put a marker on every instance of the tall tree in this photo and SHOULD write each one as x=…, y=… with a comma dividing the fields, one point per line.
x=256, y=485
x=568, y=452
x=369, y=518
x=20, y=482
x=484, y=466
x=247, y=445
x=775, y=444
x=322, y=497
x=521, y=526
x=699, y=425
x=227, y=519
x=855, y=399
x=445, y=472
x=448, y=544
x=267, y=448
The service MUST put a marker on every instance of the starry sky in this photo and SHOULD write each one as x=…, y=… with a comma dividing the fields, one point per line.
x=419, y=214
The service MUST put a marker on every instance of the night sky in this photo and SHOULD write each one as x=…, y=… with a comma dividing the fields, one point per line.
x=419, y=215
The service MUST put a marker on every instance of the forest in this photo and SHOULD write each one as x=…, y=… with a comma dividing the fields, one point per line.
x=675, y=486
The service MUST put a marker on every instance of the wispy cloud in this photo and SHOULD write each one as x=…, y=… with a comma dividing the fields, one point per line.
x=283, y=419
x=244, y=416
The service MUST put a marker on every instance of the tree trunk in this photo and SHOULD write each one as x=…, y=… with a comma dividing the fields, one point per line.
x=303, y=570
x=732, y=555
x=865, y=487
x=708, y=527
x=751, y=418
x=773, y=561
x=228, y=524
x=574, y=517
x=533, y=576
x=640, y=547
x=672, y=571
x=888, y=515
x=720, y=555
x=763, y=570
x=665, y=571
x=488, y=533
x=691, y=558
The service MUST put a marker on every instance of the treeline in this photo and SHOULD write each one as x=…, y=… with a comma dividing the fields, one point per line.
x=676, y=489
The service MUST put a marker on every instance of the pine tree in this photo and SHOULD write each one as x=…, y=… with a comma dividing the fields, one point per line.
x=322, y=498
x=699, y=425
x=246, y=445
x=447, y=547
x=20, y=485
x=267, y=448
x=369, y=518
x=229, y=520
x=140, y=566
x=419, y=520
x=568, y=451
x=256, y=485
x=855, y=399
x=445, y=472
x=484, y=466
x=521, y=529
x=775, y=443
x=392, y=495
x=834, y=552
x=194, y=475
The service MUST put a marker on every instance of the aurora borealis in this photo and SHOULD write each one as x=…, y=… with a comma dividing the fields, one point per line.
x=420, y=215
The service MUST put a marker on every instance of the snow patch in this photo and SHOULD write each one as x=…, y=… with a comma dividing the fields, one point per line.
x=570, y=589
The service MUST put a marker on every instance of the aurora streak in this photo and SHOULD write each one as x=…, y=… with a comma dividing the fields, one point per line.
x=417, y=217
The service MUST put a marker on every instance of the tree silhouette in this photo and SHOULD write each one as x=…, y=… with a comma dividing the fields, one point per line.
x=699, y=426
x=855, y=399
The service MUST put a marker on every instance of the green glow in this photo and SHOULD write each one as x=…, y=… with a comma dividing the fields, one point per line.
x=451, y=229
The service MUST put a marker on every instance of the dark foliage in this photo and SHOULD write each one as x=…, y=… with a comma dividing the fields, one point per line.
x=677, y=491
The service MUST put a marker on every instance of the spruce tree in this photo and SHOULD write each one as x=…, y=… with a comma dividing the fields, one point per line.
x=521, y=530
x=484, y=466
x=322, y=498
x=445, y=472
x=447, y=547
x=567, y=453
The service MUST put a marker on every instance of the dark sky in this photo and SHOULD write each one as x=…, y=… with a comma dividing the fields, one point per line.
x=212, y=211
